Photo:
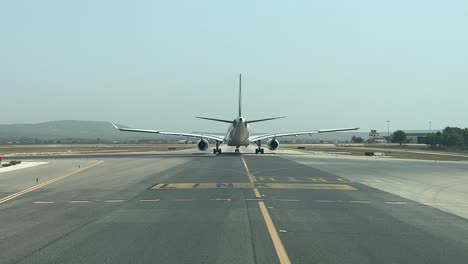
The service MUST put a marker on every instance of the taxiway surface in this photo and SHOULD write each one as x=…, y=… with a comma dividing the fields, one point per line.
x=200, y=208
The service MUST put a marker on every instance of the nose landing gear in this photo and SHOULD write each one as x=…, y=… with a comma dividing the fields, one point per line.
x=237, y=150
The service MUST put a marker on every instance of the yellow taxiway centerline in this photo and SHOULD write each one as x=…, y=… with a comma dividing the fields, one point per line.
x=251, y=178
x=35, y=187
x=280, y=251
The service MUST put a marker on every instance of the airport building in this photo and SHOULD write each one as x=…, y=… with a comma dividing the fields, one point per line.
x=413, y=137
x=376, y=137
x=416, y=138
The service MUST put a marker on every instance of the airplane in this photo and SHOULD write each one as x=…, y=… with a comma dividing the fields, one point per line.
x=239, y=133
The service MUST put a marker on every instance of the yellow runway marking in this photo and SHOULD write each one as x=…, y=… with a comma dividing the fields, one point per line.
x=253, y=185
x=280, y=251
x=251, y=178
x=35, y=187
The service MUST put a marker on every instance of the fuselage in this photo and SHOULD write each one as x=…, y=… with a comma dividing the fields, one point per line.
x=238, y=133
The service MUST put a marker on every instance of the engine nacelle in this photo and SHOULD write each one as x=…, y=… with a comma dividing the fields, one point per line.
x=203, y=144
x=273, y=144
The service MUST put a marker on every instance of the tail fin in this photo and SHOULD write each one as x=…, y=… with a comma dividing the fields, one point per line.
x=240, y=95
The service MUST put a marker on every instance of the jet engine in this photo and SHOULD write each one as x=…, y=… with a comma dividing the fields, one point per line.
x=203, y=144
x=273, y=144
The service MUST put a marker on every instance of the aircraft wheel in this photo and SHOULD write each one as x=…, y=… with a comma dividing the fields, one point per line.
x=214, y=151
x=262, y=151
x=219, y=151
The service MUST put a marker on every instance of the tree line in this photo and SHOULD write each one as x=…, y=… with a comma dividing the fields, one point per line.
x=452, y=137
x=449, y=137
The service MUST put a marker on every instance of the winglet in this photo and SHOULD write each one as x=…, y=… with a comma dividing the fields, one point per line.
x=116, y=127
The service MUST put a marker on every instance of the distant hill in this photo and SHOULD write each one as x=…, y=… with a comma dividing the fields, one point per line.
x=68, y=129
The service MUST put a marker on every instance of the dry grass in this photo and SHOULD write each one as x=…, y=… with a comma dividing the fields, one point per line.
x=393, y=152
x=98, y=148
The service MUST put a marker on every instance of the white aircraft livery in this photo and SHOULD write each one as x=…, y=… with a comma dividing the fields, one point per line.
x=239, y=133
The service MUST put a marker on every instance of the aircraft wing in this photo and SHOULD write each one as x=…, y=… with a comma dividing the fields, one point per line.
x=207, y=136
x=267, y=136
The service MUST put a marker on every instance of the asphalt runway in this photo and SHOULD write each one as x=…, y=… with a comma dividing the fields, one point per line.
x=188, y=207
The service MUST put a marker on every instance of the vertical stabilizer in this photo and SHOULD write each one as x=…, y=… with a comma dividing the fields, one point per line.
x=240, y=95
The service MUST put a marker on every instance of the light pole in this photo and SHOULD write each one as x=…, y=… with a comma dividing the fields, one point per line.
x=430, y=126
x=388, y=130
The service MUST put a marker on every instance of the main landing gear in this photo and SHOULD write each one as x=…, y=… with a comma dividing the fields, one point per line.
x=259, y=149
x=217, y=149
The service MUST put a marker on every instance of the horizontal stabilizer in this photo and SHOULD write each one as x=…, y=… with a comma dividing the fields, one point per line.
x=214, y=119
x=265, y=119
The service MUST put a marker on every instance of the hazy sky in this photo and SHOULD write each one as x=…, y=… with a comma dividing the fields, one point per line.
x=157, y=64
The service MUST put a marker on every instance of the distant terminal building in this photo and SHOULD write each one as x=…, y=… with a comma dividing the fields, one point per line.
x=416, y=138
x=375, y=137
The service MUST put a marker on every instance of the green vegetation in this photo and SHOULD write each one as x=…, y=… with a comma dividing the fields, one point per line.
x=11, y=163
x=450, y=137
x=357, y=139
x=399, y=136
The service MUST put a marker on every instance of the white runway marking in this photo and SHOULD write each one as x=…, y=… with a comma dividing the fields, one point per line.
x=366, y=180
x=324, y=201
x=395, y=202
x=115, y=201
x=436, y=204
x=260, y=199
x=23, y=165
x=393, y=181
x=361, y=202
